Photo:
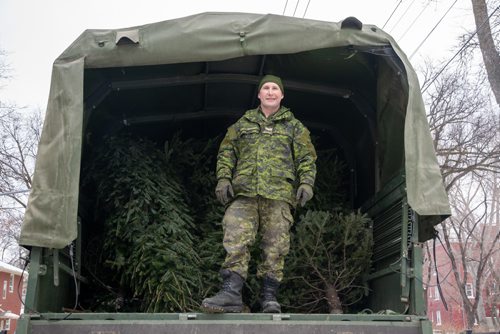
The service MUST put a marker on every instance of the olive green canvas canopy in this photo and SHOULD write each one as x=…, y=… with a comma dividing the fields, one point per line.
x=321, y=64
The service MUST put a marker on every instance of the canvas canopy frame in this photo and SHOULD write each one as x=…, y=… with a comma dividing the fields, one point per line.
x=379, y=112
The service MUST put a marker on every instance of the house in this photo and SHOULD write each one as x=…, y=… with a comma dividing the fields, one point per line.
x=12, y=290
x=453, y=319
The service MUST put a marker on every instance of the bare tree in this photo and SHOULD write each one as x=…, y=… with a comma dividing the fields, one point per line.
x=4, y=74
x=472, y=241
x=10, y=226
x=490, y=54
x=466, y=137
x=462, y=122
x=18, y=145
x=19, y=137
x=487, y=41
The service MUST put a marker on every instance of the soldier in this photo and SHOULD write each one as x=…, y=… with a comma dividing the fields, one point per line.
x=265, y=166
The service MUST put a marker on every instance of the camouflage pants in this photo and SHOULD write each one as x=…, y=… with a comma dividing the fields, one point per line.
x=244, y=218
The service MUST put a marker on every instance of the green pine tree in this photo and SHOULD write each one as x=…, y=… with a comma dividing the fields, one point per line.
x=330, y=252
x=147, y=241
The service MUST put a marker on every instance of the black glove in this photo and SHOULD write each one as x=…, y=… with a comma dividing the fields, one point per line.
x=224, y=191
x=304, y=194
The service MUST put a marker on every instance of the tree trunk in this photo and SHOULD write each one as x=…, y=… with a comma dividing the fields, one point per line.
x=467, y=305
x=471, y=317
x=333, y=299
x=491, y=57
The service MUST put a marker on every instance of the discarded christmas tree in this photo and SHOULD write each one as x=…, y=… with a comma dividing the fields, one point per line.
x=195, y=161
x=330, y=253
x=147, y=242
x=161, y=247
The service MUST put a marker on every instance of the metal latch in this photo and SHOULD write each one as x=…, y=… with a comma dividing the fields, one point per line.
x=279, y=317
x=187, y=316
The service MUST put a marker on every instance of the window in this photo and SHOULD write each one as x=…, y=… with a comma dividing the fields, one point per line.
x=469, y=290
x=438, y=318
x=7, y=324
x=11, y=283
x=4, y=291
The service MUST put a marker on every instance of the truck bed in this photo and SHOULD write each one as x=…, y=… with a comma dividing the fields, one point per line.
x=133, y=323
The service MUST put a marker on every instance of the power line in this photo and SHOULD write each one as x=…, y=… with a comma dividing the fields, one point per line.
x=308, y=2
x=415, y=20
x=418, y=47
x=459, y=51
x=297, y=5
x=403, y=15
x=284, y=9
x=400, y=1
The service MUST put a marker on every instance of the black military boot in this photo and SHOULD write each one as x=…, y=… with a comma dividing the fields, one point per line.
x=268, y=299
x=228, y=299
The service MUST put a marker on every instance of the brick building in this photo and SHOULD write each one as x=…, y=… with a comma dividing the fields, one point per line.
x=10, y=303
x=453, y=320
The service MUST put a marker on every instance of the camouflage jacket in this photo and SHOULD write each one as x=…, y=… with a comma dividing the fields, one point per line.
x=267, y=157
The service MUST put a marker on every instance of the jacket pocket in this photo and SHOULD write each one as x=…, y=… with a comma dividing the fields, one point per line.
x=285, y=174
x=244, y=180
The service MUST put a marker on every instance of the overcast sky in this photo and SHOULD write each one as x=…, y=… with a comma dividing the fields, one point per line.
x=34, y=33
